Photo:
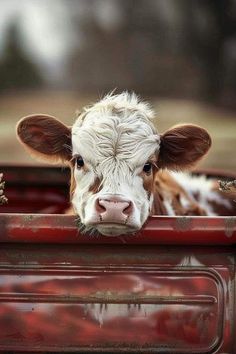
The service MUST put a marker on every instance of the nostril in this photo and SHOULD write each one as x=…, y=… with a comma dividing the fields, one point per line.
x=113, y=208
x=128, y=210
x=99, y=207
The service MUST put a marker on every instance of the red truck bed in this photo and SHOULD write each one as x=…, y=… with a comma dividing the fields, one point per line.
x=168, y=289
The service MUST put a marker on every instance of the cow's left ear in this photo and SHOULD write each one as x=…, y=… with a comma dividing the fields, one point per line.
x=45, y=137
x=182, y=146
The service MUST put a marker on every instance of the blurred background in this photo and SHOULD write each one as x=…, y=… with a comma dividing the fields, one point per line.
x=58, y=55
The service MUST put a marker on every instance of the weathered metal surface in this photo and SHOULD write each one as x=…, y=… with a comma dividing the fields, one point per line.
x=44, y=190
x=61, y=291
x=36, y=189
x=77, y=298
x=38, y=228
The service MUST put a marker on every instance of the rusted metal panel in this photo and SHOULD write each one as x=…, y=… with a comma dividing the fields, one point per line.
x=167, y=289
x=33, y=189
x=76, y=298
x=41, y=228
x=44, y=190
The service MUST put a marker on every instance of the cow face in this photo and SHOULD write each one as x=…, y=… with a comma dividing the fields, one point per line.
x=114, y=152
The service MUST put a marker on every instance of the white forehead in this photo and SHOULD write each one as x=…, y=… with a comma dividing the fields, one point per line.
x=117, y=127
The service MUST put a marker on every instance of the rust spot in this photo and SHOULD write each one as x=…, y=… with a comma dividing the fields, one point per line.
x=183, y=223
x=28, y=217
x=230, y=225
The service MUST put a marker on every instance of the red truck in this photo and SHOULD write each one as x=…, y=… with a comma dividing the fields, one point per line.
x=171, y=288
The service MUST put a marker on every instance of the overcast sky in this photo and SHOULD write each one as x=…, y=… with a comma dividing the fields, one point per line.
x=45, y=30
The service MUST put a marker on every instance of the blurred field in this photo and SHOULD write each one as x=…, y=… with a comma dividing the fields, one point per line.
x=63, y=105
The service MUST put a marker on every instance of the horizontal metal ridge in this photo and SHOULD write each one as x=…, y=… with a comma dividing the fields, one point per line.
x=109, y=298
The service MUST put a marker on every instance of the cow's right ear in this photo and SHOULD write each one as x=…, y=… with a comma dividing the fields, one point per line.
x=45, y=137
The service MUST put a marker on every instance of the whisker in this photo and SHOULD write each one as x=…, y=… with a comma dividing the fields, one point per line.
x=89, y=230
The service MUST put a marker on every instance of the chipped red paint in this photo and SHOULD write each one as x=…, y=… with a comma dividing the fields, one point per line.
x=169, y=289
x=39, y=228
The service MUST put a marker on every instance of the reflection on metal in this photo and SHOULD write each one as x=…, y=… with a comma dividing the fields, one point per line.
x=150, y=305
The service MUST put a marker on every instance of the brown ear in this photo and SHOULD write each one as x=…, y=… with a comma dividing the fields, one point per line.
x=45, y=137
x=182, y=146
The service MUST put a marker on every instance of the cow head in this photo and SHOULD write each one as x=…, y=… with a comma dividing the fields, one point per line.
x=114, y=151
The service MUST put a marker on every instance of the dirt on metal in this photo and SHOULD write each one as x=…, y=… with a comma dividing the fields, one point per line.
x=228, y=186
x=3, y=198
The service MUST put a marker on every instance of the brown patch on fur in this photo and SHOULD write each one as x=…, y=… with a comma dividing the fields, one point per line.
x=96, y=186
x=45, y=137
x=166, y=188
x=148, y=178
x=72, y=182
x=147, y=182
x=221, y=209
x=182, y=146
x=158, y=207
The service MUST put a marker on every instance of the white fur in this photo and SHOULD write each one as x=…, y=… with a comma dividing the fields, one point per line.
x=204, y=187
x=115, y=137
x=167, y=204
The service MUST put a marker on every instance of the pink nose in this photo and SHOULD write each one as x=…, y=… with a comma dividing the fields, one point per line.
x=113, y=209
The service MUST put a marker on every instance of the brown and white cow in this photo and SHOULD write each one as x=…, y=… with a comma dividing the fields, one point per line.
x=121, y=165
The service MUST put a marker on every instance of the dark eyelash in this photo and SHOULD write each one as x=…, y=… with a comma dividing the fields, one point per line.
x=147, y=168
x=79, y=161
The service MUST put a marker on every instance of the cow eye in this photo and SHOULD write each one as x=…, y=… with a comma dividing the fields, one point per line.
x=79, y=162
x=147, y=168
